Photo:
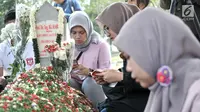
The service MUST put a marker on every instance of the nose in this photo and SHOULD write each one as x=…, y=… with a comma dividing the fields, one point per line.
x=77, y=36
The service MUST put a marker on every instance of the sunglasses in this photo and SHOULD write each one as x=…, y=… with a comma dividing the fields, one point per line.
x=106, y=31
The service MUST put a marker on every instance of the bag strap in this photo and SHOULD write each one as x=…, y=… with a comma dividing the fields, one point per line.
x=79, y=55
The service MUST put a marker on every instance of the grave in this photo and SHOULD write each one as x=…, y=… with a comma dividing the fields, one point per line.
x=47, y=26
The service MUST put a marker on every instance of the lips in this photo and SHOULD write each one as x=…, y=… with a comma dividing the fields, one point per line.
x=78, y=41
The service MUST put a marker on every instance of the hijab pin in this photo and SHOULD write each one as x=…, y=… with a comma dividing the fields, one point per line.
x=164, y=76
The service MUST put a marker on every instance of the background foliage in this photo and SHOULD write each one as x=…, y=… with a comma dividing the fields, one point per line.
x=92, y=7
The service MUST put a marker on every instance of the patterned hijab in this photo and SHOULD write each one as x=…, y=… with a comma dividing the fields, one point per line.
x=154, y=39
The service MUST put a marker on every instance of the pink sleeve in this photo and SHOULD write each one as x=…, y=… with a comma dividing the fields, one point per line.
x=104, y=58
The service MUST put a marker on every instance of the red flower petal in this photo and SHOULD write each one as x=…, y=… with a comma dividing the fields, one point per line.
x=20, y=98
x=161, y=77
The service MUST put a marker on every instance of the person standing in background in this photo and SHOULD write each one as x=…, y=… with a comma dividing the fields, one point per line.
x=69, y=6
x=8, y=18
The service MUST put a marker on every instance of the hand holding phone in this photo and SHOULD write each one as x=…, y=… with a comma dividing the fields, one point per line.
x=99, y=79
x=75, y=63
x=95, y=72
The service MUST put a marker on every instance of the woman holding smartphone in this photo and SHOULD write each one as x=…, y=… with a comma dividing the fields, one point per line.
x=127, y=95
x=91, y=53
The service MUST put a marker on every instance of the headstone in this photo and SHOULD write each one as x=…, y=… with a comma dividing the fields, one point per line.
x=46, y=30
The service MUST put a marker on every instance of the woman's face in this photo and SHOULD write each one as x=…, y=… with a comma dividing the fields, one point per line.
x=79, y=34
x=134, y=2
x=138, y=73
x=109, y=32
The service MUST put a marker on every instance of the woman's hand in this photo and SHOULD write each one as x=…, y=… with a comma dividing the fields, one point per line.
x=111, y=76
x=81, y=70
x=99, y=80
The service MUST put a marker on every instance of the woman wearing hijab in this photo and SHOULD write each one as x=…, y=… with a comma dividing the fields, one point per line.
x=140, y=3
x=122, y=97
x=91, y=53
x=163, y=55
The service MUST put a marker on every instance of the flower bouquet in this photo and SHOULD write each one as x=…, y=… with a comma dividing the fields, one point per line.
x=61, y=57
x=22, y=27
x=15, y=35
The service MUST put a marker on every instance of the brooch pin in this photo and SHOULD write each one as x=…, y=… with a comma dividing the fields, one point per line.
x=164, y=76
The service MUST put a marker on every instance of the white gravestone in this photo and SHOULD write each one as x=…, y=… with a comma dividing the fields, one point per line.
x=46, y=30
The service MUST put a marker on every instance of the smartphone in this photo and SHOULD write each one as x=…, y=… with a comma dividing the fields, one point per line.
x=75, y=71
x=75, y=63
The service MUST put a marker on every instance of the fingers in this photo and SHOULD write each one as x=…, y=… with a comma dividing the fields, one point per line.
x=80, y=70
x=99, y=74
x=74, y=66
x=99, y=79
x=107, y=78
x=101, y=82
